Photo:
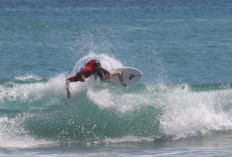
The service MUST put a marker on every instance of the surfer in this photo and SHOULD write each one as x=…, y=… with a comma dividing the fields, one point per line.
x=93, y=67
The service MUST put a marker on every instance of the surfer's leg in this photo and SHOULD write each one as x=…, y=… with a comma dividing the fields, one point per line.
x=120, y=76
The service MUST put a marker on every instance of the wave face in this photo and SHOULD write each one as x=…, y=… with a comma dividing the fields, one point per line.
x=34, y=111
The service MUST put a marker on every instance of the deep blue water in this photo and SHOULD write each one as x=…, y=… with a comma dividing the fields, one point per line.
x=181, y=106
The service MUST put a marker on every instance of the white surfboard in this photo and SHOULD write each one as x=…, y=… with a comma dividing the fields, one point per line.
x=130, y=76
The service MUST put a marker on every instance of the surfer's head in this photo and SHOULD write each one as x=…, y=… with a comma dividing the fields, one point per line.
x=97, y=63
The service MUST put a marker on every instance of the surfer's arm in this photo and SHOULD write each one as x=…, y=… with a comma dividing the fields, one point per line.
x=105, y=71
x=67, y=88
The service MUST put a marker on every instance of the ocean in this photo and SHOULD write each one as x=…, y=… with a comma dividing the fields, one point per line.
x=182, y=106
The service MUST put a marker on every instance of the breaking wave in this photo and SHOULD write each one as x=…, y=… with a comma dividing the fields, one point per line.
x=35, y=110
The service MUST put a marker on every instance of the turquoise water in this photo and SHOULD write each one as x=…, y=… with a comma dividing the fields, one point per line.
x=181, y=107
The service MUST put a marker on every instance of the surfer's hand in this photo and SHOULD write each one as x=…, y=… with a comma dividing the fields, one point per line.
x=68, y=94
x=107, y=73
